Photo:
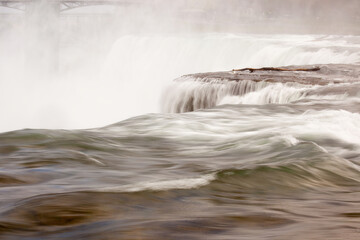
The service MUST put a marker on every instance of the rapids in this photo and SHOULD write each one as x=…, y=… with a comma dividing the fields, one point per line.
x=237, y=168
x=223, y=160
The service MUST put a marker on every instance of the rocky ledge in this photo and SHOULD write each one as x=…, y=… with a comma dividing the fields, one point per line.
x=268, y=85
x=306, y=74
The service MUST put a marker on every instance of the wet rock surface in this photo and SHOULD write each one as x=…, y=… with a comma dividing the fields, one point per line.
x=281, y=85
x=327, y=74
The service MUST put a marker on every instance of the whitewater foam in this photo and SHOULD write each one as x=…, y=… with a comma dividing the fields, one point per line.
x=189, y=94
x=136, y=69
x=163, y=185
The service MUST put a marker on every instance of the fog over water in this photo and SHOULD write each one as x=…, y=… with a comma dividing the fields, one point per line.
x=137, y=121
x=114, y=61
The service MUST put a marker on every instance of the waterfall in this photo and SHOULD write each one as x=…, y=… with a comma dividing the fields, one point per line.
x=128, y=77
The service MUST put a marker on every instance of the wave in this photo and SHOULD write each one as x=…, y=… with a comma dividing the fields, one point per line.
x=164, y=185
x=248, y=148
x=316, y=173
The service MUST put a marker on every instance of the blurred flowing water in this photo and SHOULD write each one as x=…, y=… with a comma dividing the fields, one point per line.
x=231, y=172
x=278, y=161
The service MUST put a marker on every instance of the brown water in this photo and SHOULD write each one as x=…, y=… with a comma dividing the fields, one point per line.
x=273, y=171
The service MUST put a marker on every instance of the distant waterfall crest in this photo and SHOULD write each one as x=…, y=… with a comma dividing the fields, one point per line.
x=129, y=75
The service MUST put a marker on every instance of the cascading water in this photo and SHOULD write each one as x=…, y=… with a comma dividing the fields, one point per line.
x=144, y=61
x=238, y=154
x=258, y=86
x=137, y=69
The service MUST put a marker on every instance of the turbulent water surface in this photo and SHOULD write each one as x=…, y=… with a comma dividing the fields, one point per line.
x=246, y=160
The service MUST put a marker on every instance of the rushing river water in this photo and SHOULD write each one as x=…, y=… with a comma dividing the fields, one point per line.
x=275, y=161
